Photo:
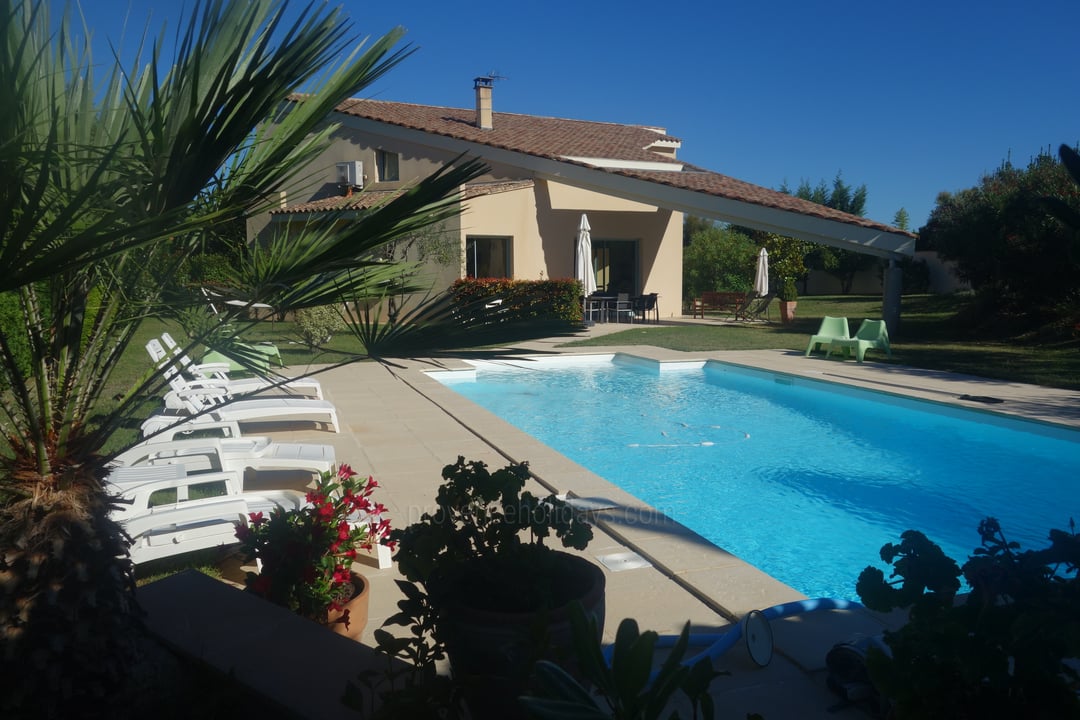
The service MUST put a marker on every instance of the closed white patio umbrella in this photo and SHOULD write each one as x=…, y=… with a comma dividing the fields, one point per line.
x=761, y=277
x=584, y=271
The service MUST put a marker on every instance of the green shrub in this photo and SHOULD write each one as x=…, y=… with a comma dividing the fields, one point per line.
x=542, y=299
x=317, y=325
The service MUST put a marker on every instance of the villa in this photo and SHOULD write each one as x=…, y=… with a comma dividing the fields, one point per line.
x=521, y=218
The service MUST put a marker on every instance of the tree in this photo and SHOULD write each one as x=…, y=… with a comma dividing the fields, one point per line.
x=692, y=225
x=901, y=219
x=718, y=258
x=1020, y=259
x=843, y=264
x=108, y=189
x=786, y=260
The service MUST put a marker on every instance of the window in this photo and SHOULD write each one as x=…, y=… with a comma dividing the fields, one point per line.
x=487, y=257
x=386, y=165
x=616, y=263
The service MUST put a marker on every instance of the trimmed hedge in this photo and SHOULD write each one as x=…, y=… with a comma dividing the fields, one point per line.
x=546, y=299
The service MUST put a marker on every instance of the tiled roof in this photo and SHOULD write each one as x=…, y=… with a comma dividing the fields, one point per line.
x=561, y=139
x=365, y=199
x=357, y=201
x=546, y=137
x=711, y=183
x=494, y=188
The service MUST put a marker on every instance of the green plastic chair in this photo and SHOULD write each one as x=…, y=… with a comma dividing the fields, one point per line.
x=832, y=328
x=872, y=334
x=260, y=356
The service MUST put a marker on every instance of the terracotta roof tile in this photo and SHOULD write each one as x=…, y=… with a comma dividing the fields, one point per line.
x=365, y=199
x=357, y=201
x=494, y=188
x=531, y=134
x=711, y=183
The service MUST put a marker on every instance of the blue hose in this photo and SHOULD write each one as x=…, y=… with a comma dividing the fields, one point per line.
x=719, y=643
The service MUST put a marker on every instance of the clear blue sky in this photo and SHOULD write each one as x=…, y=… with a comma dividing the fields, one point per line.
x=910, y=99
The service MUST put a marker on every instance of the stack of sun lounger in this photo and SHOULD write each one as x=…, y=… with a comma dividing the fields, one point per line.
x=183, y=488
x=206, y=394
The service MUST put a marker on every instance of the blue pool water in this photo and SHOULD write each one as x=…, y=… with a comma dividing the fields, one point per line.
x=804, y=479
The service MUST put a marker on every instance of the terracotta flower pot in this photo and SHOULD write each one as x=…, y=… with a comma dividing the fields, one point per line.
x=787, y=311
x=357, y=609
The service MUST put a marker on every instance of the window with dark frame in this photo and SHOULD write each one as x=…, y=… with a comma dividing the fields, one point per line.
x=487, y=257
x=386, y=165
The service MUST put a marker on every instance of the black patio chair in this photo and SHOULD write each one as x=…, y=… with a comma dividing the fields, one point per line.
x=647, y=305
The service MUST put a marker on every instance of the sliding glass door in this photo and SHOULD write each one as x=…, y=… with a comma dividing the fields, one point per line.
x=616, y=263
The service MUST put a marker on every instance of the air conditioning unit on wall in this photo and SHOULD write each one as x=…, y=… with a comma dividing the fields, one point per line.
x=351, y=174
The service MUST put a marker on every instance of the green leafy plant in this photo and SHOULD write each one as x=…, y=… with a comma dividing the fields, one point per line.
x=1004, y=650
x=539, y=299
x=305, y=554
x=486, y=515
x=317, y=325
x=789, y=292
x=628, y=688
x=486, y=540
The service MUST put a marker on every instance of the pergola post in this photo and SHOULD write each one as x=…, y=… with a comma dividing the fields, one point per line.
x=890, y=304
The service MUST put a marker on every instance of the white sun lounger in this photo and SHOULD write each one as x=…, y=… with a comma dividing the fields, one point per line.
x=157, y=512
x=256, y=452
x=217, y=407
x=216, y=374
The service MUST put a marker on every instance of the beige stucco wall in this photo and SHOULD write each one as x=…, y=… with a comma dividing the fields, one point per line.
x=543, y=220
x=544, y=237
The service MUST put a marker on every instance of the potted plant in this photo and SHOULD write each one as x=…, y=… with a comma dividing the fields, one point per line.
x=1005, y=649
x=305, y=555
x=490, y=591
x=788, y=296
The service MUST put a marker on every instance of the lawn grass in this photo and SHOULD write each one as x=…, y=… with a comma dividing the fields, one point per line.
x=932, y=335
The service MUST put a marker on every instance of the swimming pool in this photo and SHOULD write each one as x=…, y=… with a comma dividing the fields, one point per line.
x=802, y=478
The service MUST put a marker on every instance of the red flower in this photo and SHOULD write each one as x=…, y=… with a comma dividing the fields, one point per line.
x=309, y=551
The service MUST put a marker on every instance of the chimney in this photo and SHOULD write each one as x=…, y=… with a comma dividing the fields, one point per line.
x=483, y=87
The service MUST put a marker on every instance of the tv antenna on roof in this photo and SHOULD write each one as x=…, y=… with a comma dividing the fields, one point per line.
x=491, y=77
